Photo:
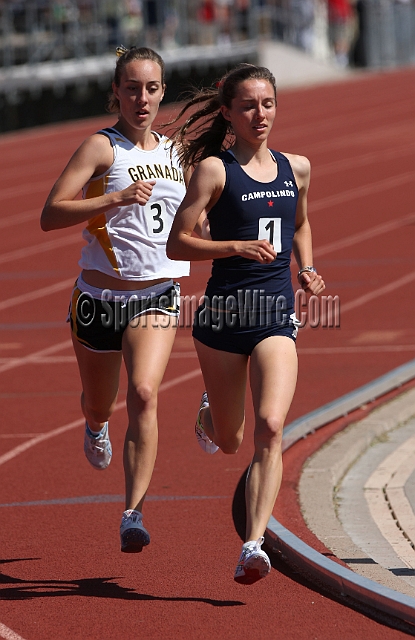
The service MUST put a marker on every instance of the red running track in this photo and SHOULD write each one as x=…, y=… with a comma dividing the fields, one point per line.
x=62, y=575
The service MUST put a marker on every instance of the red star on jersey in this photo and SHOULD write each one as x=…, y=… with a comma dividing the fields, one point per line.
x=270, y=203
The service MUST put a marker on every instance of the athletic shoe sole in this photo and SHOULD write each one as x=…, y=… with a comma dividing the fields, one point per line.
x=202, y=439
x=255, y=569
x=98, y=451
x=133, y=540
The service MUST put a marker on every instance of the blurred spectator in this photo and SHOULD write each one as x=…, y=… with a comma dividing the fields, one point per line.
x=358, y=33
x=19, y=15
x=112, y=10
x=341, y=29
x=302, y=21
x=207, y=16
x=224, y=21
x=132, y=23
x=358, y=54
x=242, y=18
x=207, y=11
x=404, y=30
x=65, y=13
x=153, y=12
x=171, y=26
x=279, y=20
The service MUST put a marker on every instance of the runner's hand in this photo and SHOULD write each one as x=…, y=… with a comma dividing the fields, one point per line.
x=260, y=250
x=205, y=231
x=312, y=282
x=137, y=193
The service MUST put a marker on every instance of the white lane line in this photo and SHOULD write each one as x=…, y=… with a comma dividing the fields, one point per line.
x=31, y=358
x=18, y=435
x=99, y=499
x=364, y=235
x=175, y=355
x=319, y=251
x=18, y=362
x=179, y=355
x=338, y=198
x=37, y=293
x=358, y=302
x=374, y=157
x=8, y=634
x=392, y=286
x=30, y=188
x=364, y=190
x=13, y=453
x=388, y=288
x=381, y=348
x=43, y=360
x=50, y=245
x=17, y=218
x=376, y=491
x=331, y=142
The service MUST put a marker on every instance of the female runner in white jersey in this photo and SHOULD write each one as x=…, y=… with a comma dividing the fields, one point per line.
x=257, y=211
x=132, y=184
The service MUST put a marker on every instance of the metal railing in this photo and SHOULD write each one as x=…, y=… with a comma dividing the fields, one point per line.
x=389, y=32
x=380, y=32
x=49, y=30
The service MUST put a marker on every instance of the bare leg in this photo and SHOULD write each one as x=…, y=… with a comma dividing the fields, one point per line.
x=100, y=374
x=273, y=376
x=146, y=348
x=225, y=377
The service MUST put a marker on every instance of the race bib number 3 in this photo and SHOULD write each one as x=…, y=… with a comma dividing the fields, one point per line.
x=156, y=218
x=270, y=229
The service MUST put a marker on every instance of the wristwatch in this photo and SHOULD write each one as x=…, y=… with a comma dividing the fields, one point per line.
x=306, y=270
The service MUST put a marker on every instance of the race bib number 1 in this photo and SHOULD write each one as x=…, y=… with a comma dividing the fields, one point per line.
x=270, y=229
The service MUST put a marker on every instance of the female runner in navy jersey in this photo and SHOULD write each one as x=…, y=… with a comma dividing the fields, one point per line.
x=132, y=184
x=256, y=201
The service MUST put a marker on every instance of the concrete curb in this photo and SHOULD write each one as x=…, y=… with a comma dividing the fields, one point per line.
x=323, y=473
x=333, y=575
x=314, y=564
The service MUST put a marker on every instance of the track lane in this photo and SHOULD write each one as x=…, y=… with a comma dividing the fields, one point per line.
x=186, y=580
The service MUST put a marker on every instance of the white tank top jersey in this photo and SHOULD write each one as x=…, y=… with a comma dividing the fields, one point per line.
x=129, y=242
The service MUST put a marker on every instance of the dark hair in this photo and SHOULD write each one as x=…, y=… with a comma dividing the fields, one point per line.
x=209, y=132
x=124, y=57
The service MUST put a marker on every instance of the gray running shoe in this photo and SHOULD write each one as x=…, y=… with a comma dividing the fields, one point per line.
x=203, y=440
x=253, y=564
x=98, y=449
x=132, y=532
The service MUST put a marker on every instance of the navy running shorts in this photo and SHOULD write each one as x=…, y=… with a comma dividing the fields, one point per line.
x=227, y=331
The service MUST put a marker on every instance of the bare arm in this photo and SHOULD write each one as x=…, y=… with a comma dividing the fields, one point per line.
x=92, y=158
x=204, y=190
x=202, y=225
x=302, y=241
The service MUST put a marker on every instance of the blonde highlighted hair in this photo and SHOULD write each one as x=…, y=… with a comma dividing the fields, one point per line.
x=124, y=57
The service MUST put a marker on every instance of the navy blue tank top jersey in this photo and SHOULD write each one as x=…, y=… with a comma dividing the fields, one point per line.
x=252, y=210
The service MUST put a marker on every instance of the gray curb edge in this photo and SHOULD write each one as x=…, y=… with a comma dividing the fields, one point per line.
x=317, y=566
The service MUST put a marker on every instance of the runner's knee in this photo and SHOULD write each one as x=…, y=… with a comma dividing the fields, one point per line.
x=268, y=430
x=229, y=443
x=142, y=396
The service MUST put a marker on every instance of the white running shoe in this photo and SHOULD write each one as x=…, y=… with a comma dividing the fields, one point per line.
x=253, y=564
x=98, y=448
x=132, y=532
x=203, y=440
